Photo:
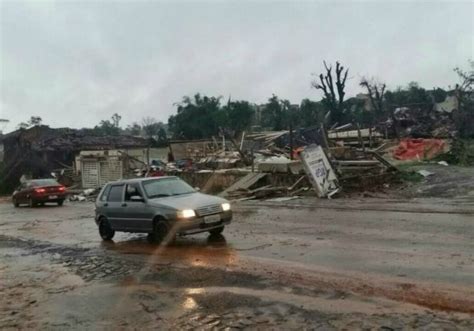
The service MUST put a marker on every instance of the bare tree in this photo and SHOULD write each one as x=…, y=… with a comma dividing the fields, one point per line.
x=376, y=92
x=467, y=78
x=152, y=128
x=116, y=119
x=147, y=121
x=333, y=89
x=465, y=97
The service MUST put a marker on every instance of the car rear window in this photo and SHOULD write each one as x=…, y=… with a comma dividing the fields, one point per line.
x=44, y=182
x=116, y=193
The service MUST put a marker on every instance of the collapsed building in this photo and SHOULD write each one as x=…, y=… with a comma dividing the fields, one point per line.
x=40, y=151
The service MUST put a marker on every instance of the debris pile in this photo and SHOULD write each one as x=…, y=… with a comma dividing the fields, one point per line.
x=256, y=186
x=423, y=122
x=257, y=165
x=84, y=195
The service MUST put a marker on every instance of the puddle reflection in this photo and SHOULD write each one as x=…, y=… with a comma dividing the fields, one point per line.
x=189, y=303
x=196, y=251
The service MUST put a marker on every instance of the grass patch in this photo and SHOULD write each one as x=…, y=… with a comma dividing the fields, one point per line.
x=461, y=153
x=408, y=166
x=409, y=176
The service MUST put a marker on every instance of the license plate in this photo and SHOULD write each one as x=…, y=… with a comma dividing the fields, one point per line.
x=212, y=219
x=53, y=196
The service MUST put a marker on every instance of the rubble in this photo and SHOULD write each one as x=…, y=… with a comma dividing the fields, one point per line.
x=84, y=195
x=269, y=164
x=256, y=165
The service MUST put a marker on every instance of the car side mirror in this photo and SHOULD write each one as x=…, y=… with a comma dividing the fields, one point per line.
x=137, y=198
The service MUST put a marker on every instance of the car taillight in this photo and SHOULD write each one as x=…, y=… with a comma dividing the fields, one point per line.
x=62, y=188
x=40, y=190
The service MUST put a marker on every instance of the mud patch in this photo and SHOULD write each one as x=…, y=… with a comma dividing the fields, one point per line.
x=50, y=286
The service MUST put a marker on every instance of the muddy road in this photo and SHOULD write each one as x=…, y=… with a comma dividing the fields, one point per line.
x=297, y=265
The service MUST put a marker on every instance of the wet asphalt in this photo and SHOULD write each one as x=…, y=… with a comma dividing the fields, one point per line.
x=302, y=264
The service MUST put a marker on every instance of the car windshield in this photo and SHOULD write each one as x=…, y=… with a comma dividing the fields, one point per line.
x=44, y=182
x=166, y=187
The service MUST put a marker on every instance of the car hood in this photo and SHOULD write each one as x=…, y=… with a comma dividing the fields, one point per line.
x=187, y=201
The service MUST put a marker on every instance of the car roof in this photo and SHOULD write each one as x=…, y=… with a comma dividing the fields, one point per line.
x=138, y=180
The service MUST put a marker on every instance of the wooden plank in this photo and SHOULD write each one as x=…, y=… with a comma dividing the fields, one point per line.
x=384, y=161
x=292, y=187
x=244, y=183
x=358, y=162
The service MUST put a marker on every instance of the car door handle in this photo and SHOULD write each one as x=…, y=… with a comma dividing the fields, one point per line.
x=124, y=204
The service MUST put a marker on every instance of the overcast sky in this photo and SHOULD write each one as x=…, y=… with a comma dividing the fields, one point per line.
x=76, y=63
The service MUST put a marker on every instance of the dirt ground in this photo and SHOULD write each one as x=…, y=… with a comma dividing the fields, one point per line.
x=299, y=265
x=447, y=181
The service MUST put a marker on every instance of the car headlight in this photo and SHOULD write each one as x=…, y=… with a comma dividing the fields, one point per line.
x=187, y=213
x=226, y=206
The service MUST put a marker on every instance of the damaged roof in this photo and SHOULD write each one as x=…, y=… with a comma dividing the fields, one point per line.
x=44, y=138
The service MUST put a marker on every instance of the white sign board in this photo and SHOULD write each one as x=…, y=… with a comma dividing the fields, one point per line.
x=319, y=171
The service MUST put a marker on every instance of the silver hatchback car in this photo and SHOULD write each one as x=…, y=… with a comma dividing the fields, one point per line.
x=161, y=207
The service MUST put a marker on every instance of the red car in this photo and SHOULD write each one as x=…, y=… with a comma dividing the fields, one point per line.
x=39, y=191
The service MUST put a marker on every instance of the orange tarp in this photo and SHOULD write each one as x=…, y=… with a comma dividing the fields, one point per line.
x=423, y=149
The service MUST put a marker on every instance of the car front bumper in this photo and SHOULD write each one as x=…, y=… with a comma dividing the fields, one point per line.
x=198, y=224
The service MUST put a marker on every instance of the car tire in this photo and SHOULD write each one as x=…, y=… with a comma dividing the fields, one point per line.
x=105, y=230
x=15, y=203
x=60, y=202
x=216, y=231
x=31, y=203
x=161, y=233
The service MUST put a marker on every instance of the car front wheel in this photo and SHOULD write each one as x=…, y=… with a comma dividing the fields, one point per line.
x=60, y=202
x=105, y=230
x=162, y=233
x=15, y=203
x=216, y=231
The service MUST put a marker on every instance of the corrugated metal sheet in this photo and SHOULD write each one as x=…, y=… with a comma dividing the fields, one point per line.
x=110, y=170
x=90, y=174
x=96, y=173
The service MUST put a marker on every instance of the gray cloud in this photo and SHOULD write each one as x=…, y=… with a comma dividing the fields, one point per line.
x=75, y=63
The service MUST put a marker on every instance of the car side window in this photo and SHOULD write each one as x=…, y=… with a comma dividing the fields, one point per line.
x=116, y=193
x=105, y=194
x=131, y=191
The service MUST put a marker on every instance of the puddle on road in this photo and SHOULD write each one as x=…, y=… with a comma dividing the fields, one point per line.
x=194, y=251
x=326, y=302
x=176, y=297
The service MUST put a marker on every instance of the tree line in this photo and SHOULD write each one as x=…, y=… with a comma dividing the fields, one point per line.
x=148, y=128
x=202, y=116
